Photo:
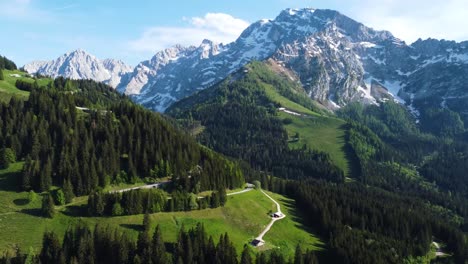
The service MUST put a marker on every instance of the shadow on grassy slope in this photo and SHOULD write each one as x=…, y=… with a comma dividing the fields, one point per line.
x=10, y=180
x=134, y=227
x=32, y=212
x=299, y=218
x=21, y=202
x=351, y=158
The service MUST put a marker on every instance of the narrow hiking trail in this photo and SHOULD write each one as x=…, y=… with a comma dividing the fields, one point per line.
x=273, y=219
x=239, y=192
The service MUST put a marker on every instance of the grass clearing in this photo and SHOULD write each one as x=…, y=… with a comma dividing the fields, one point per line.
x=8, y=88
x=273, y=94
x=316, y=131
x=244, y=217
x=326, y=134
x=285, y=238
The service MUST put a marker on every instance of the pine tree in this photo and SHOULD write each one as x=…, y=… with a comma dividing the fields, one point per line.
x=246, y=258
x=117, y=209
x=298, y=258
x=193, y=202
x=158, y=250
x=48, y=208
x=68, y=191
x=214, y=200
x=100, y=206
x=7, y=156
x=30, y=257
x=210, y=256
x=51, y=250
x=46, y=176
x=1, y=75
x=144, y=247
x=222, y=196
x=32, y=196
x=188, y=250
x=26, y=180
x=59, y=197
x=146, y=222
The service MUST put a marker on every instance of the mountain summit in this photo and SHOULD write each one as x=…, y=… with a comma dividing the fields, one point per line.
x=317, y=46
x=79, y=64
x=336, y=59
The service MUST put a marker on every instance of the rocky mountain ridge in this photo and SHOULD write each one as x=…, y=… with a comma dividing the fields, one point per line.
x=336, y=59
x=79, y=64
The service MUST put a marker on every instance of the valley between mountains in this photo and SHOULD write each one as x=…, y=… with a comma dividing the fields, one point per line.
x=311, y=138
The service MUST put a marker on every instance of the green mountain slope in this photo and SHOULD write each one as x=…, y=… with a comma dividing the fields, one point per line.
x=9, y=89
x=84, y=133
x=242, y=118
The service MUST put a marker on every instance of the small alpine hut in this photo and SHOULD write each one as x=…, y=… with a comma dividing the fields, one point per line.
x=277, y=215
x=257, y=242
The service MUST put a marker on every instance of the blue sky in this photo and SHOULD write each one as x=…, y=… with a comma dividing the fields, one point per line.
x=134, y=30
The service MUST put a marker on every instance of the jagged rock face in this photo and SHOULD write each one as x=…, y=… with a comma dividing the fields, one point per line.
x=332, y=63
x=81, y=65
x=316, y=44
x=336, y=59
x=179, y=72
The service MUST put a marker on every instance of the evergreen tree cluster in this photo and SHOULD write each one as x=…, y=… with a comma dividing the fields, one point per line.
x=150, y=201
x=367, y=225
x=90, y=147
x=26, y=85
x=7, y=157
x=7, y=64
x=393, y=154
x=81, y=244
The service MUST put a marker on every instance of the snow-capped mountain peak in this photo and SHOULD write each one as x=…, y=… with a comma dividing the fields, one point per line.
x=79, y=64
x=336, y=59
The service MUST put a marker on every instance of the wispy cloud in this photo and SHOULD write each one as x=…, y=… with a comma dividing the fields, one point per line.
x=217, y=27
x=23, y=10
x=410, y=20
x=65, y=7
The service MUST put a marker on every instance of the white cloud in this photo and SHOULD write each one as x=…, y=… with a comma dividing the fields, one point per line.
x=217, y=27
x=23, y=10
x=410, y=20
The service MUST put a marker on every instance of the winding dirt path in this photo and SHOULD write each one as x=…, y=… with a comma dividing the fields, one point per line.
x=273, y=219
x=239, y=192
x=148, y=186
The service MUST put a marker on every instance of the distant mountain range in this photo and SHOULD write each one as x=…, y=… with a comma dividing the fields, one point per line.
x=336, y=59
x=81, y=65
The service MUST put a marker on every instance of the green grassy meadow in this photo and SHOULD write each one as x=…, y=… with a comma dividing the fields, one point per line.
x=316, y=131
x=243, y=217
x=8, y=88
x=273, y=94
x=326, y=134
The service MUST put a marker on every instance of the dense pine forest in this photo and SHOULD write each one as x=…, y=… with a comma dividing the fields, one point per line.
x=104, y=245
x=84, y=134
x=7, y=64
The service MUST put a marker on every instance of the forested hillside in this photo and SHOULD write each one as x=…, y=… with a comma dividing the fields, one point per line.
x=84, y=134
x=7, y=64
x=238, y=119
x=408, y=188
